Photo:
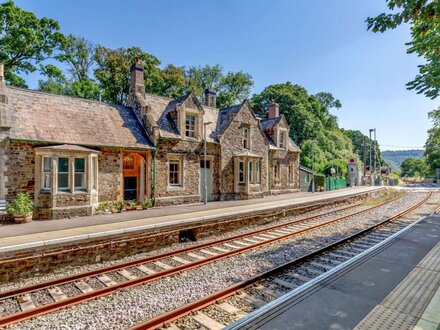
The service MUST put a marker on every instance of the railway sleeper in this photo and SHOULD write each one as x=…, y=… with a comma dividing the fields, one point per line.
x=207, y=321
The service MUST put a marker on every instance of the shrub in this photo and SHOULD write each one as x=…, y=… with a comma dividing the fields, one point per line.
x=21, y=205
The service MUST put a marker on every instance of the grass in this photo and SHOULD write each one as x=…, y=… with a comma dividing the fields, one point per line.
x=388, y=195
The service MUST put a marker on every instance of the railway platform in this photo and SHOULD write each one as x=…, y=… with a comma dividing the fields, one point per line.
x=394, y=285
x=54, y=232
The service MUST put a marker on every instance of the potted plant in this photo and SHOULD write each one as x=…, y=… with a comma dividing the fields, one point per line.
x=146, y=203
x=120, y=206
x=21, y=208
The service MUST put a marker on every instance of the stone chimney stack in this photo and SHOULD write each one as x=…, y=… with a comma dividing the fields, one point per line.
x=274, y=109
x=137, y=77
x=210, y=98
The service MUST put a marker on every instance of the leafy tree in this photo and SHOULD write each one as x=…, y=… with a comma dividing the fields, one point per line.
x=26, y=42
x=423, y=16
x=413, y=167
x=86, y=89
x=79, y=54
x=173, y=81
x=432, y=146
x=233, y=88
x=113, y=72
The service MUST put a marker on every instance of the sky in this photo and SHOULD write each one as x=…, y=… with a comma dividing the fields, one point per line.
x=319, y=44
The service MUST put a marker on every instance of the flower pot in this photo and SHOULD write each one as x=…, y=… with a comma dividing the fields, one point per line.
x=22, y=218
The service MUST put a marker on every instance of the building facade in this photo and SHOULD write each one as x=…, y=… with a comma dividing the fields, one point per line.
x=71, y=154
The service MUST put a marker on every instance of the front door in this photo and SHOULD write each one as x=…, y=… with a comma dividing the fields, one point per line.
x=130, y=188
x=205, y=174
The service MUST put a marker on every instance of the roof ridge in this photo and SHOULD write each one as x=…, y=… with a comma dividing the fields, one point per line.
x=67, y=96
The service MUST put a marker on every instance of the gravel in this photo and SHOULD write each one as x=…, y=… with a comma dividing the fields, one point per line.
x=125, y=308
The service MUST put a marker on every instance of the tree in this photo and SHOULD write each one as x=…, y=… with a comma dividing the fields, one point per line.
x=113, y=72
x=423, y=16
x=233, y=88
x=432, y=146
x=26, y=42
x=172, y=82
x=413, y=167
x=79, y=54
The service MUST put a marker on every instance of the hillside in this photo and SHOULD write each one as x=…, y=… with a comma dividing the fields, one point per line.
x=395, y=157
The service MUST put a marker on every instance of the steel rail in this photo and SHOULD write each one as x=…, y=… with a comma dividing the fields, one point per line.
x=44, y=309
x=180, y=312
x=103, y=270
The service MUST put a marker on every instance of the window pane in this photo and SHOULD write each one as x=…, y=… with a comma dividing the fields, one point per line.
x=46, y=180
x=80, y=165
x=63, y=180
x=80, y=181
x=94, y=172
x=63, y=165
x=47, y=164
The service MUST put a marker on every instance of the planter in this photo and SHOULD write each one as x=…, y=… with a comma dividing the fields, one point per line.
x=23, y=218
x=139, y=208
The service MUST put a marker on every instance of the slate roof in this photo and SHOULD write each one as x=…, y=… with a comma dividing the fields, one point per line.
x=38, y=116
x=267, y=123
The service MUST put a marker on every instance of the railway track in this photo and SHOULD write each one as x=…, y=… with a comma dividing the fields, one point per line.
x=42, y=298
x=223, y=308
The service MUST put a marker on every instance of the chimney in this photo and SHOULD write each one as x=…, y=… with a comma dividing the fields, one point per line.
x=274, y=109
x=210, y=98
x=137, y=77
x=2, y=73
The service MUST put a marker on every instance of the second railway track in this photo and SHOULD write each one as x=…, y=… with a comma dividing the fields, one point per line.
x=145, y=270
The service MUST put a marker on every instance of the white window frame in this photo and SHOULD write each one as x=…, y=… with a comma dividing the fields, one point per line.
x=179, y=163
x=94, y=173
x=246, y=137
x=276, y=172
x=190, y=128
x=241, y=172
x=46, y=174
x=82, y=188
x=282, y=139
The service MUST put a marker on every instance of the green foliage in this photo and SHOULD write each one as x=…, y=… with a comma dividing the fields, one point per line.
x=340, y=166
x=146, y=203
x=26, y=41
x=413, y=167
x=432, y=146
x=21, y=205
x=231, y=88
x=310, y=120
x=79, y=54
x=113, y=72
x=424, y=19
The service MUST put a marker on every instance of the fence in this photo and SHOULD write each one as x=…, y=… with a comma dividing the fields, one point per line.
x=335, y=183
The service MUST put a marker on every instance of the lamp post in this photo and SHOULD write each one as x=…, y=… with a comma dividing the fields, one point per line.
x=204, y=172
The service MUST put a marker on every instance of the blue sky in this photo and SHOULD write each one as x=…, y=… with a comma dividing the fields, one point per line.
x=322, y=45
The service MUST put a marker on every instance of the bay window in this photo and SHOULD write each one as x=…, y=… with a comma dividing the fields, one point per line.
x=251, y=173
x=257, y=171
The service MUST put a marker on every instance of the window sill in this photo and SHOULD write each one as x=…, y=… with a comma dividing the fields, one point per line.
x=175, y=188
x=46, y=191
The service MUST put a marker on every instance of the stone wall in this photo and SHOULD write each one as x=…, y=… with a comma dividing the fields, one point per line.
x=20, y=164
x=109, y=174
x=191, y=153
x=284, y=159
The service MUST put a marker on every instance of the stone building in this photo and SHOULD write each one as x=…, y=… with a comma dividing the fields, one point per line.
x=71, y=154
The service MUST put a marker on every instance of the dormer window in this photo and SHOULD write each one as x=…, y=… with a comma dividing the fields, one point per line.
x=282, y=140
x=246, y=137
x=190, y=126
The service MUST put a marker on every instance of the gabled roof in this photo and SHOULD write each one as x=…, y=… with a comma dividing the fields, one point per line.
x=38, y=116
